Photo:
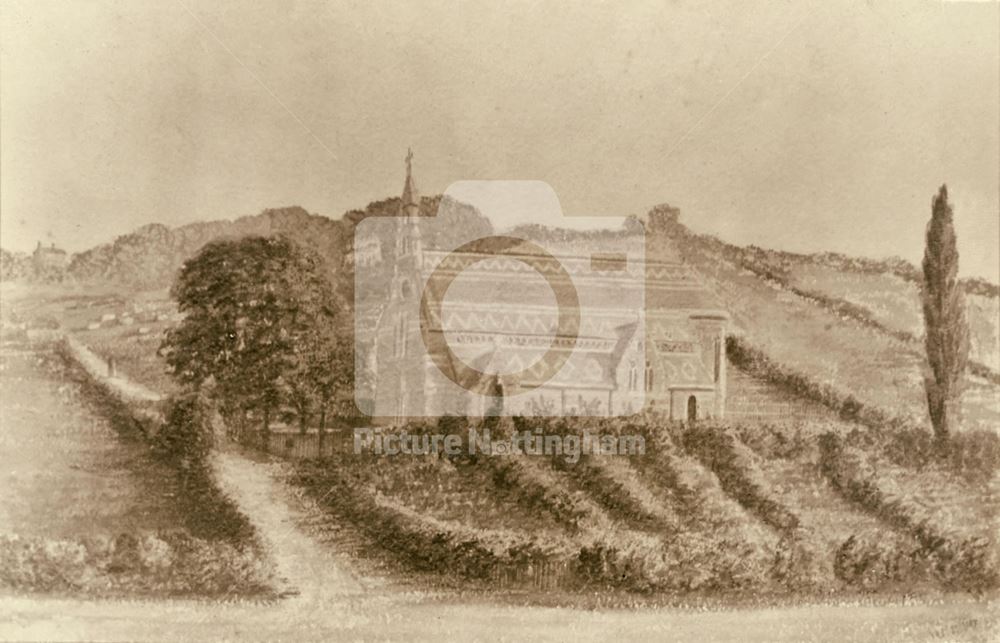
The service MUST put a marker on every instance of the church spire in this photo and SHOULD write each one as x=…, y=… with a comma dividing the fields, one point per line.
x=410, y=201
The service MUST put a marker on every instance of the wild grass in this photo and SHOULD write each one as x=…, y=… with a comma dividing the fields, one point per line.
x=177, y=535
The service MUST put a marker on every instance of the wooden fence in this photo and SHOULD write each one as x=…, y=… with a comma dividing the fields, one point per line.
x=546, y=575
x=297, y=445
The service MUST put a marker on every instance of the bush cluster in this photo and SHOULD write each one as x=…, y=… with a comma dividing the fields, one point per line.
x=172, y=564
x=513, y=477
x=960, y=562
x=421, y=541
x=731, y=461
x=973, y=454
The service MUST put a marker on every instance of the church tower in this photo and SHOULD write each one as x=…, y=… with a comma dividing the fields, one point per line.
x=399, y=353
x=408, y=242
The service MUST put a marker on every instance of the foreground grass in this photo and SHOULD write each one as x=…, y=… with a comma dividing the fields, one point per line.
x=135, y=526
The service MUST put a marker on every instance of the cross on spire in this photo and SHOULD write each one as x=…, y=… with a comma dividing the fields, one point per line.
x=410, y=198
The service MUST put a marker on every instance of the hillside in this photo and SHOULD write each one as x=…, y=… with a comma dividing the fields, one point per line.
x=811, y=331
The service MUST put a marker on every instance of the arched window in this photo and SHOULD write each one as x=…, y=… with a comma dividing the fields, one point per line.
x=692, y=408
x=633, y=377
x=649, y=376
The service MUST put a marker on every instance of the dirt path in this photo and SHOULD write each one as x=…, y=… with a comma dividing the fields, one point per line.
x=309, y=571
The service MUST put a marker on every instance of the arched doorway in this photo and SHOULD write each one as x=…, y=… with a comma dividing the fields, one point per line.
x=692, y=408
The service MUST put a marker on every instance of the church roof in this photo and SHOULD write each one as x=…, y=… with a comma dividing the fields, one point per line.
x=501, y=317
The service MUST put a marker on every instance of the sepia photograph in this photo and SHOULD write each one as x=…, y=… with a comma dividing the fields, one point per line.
x=424, y=320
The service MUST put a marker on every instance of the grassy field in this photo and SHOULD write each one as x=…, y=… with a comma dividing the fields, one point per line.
x=127, y=327
x=88, y=510
x=67, y=471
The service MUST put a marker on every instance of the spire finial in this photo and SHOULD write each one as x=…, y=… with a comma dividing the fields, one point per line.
x=409, y=159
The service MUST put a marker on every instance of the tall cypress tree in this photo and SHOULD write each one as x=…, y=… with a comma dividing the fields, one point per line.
x=947, y=333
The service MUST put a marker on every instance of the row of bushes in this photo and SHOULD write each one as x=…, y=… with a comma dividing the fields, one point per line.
x=613, y=554
x=721, y=451
x=598, y=553
x=958, y=561
x=973, y=454
x=523, y=483
x=625, y=501
x=783, y=441
x=783, y=564
x=780, y=262
x=755, y=362
x=423, y=543
x=162, y=564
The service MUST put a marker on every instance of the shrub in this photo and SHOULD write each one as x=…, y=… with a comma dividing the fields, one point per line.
x=525, y=485
x=960, y=563
x=186, y=437
x=423, y=542
x=972, y=454
x=871, y=563
x=161, y=564
x=720, y=450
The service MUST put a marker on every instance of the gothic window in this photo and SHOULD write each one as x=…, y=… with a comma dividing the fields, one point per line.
x=633, y=377
x=649, y=376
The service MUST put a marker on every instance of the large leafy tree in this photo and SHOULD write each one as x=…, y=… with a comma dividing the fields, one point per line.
x=947, y=333
x=260, y=325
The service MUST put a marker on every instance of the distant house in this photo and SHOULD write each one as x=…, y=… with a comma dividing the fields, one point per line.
x=676, y=367
x=46, y=259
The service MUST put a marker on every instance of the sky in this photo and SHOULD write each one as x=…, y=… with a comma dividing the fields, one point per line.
x=806, y=126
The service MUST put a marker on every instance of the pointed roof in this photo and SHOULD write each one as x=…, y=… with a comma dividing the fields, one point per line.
x=410, y=194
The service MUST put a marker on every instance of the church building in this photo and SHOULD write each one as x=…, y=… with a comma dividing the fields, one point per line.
x=608, y=333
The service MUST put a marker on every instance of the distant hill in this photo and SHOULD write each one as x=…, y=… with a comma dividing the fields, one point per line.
x=149, y=257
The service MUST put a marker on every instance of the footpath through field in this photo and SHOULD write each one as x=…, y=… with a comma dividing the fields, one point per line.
x=308, y=570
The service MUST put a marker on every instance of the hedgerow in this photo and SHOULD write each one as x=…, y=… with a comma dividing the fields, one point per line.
x=153, y=564
x=525, y=484
x=722, y=452
x=423, y=542
x=974, y=454
x=960, y=562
